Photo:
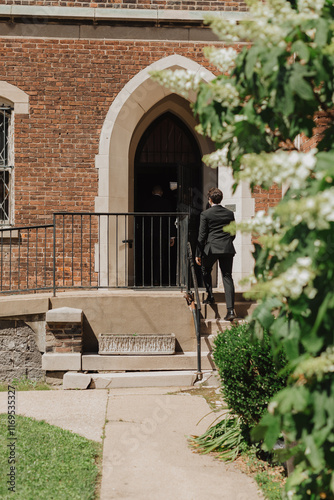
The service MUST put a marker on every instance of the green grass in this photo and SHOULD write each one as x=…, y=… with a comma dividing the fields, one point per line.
x=269, y=475
x=51, y=463
x=272, y=489
x=25, y=384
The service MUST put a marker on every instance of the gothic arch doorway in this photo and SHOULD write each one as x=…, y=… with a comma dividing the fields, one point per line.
x=168, y=155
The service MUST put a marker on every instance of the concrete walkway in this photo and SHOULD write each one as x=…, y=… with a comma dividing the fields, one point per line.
x=145, y=456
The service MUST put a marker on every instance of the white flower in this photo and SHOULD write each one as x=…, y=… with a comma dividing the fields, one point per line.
x=316, y=211
x=217, y=159
x=268, y=21
x=223, y=59
x=293, y=282
x=225, y=93
x=310, y=6
x=261, y=224
x=179, y=81
x=265, y=169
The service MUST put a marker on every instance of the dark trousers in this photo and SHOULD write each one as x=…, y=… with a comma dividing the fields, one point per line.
x=225, y=263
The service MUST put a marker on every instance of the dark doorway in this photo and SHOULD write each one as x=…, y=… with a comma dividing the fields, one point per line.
x=168, y=155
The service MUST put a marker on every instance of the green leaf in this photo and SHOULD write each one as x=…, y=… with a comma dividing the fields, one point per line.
x=268, y=429
x=321, y=314
x=269, y=67
x=298, y=84
x=293, y=399
x=332, y=483
x=251, y=59
x=263, y=312
x=321, y=32
x=301, y=49
x=313, y=453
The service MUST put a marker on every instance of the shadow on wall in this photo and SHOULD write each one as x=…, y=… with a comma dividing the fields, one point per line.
x=89, y=340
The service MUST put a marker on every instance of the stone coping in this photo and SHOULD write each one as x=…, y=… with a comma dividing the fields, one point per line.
x=64, y=315
x=106, y=14
x=53, y=361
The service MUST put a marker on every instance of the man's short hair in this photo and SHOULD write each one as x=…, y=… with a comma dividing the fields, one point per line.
x=215, y=195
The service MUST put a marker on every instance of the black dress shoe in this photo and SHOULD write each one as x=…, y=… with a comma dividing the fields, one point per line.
x=230, y=316
x=209, y=300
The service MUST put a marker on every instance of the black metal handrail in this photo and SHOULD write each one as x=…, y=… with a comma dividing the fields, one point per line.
x=26, y=262
x=194, y=303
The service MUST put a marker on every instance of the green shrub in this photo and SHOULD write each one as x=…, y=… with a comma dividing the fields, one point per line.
x=248, y=372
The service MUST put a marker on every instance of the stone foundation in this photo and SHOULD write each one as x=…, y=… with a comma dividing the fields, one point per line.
x=112, y=343
x=19, y=353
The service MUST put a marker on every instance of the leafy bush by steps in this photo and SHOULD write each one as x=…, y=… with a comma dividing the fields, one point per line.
x=249, y=375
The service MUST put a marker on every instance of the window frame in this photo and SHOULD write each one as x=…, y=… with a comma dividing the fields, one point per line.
x=6, y=164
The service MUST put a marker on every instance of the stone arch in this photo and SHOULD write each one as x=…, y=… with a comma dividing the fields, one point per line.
x=137, y=97
x=120, y=131
x=10, y=94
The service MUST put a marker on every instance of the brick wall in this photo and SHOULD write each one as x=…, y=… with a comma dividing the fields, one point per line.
x=322, y=120
x=266, y=198
x=214, y=5
x=63, y=337
x=72, y=84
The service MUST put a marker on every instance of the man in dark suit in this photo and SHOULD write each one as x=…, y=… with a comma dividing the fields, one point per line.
x=216, y=244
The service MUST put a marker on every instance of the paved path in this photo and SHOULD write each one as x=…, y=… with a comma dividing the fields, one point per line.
x=146, y=456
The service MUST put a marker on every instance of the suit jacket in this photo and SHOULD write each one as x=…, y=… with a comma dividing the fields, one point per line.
x=159, y=204
x=212, y=239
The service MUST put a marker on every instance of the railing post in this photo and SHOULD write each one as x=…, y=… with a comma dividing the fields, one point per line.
x=195, y=311
x=54, y=255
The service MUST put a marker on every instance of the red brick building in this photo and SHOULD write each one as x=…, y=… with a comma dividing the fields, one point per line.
x=83, y=127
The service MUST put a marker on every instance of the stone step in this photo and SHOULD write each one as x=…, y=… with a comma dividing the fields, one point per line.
x=220, y=296
x=74, y=380
x=217, y=310
x=207, y=342
x=178, y=361
x=212, y=326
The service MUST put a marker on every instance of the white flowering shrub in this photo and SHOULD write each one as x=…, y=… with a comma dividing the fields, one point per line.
x=223, y=59
x=273, y=90
x=180, y=81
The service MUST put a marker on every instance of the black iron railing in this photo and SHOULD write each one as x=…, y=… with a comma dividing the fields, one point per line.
x=96, y=250
x=26, y=258
x=194, y=303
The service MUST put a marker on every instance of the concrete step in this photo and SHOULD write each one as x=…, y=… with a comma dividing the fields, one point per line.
x=178, y=361
x=74, y=380
x=212, y=326
x=207, y=342
x=218, y=310
x=220, y=296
